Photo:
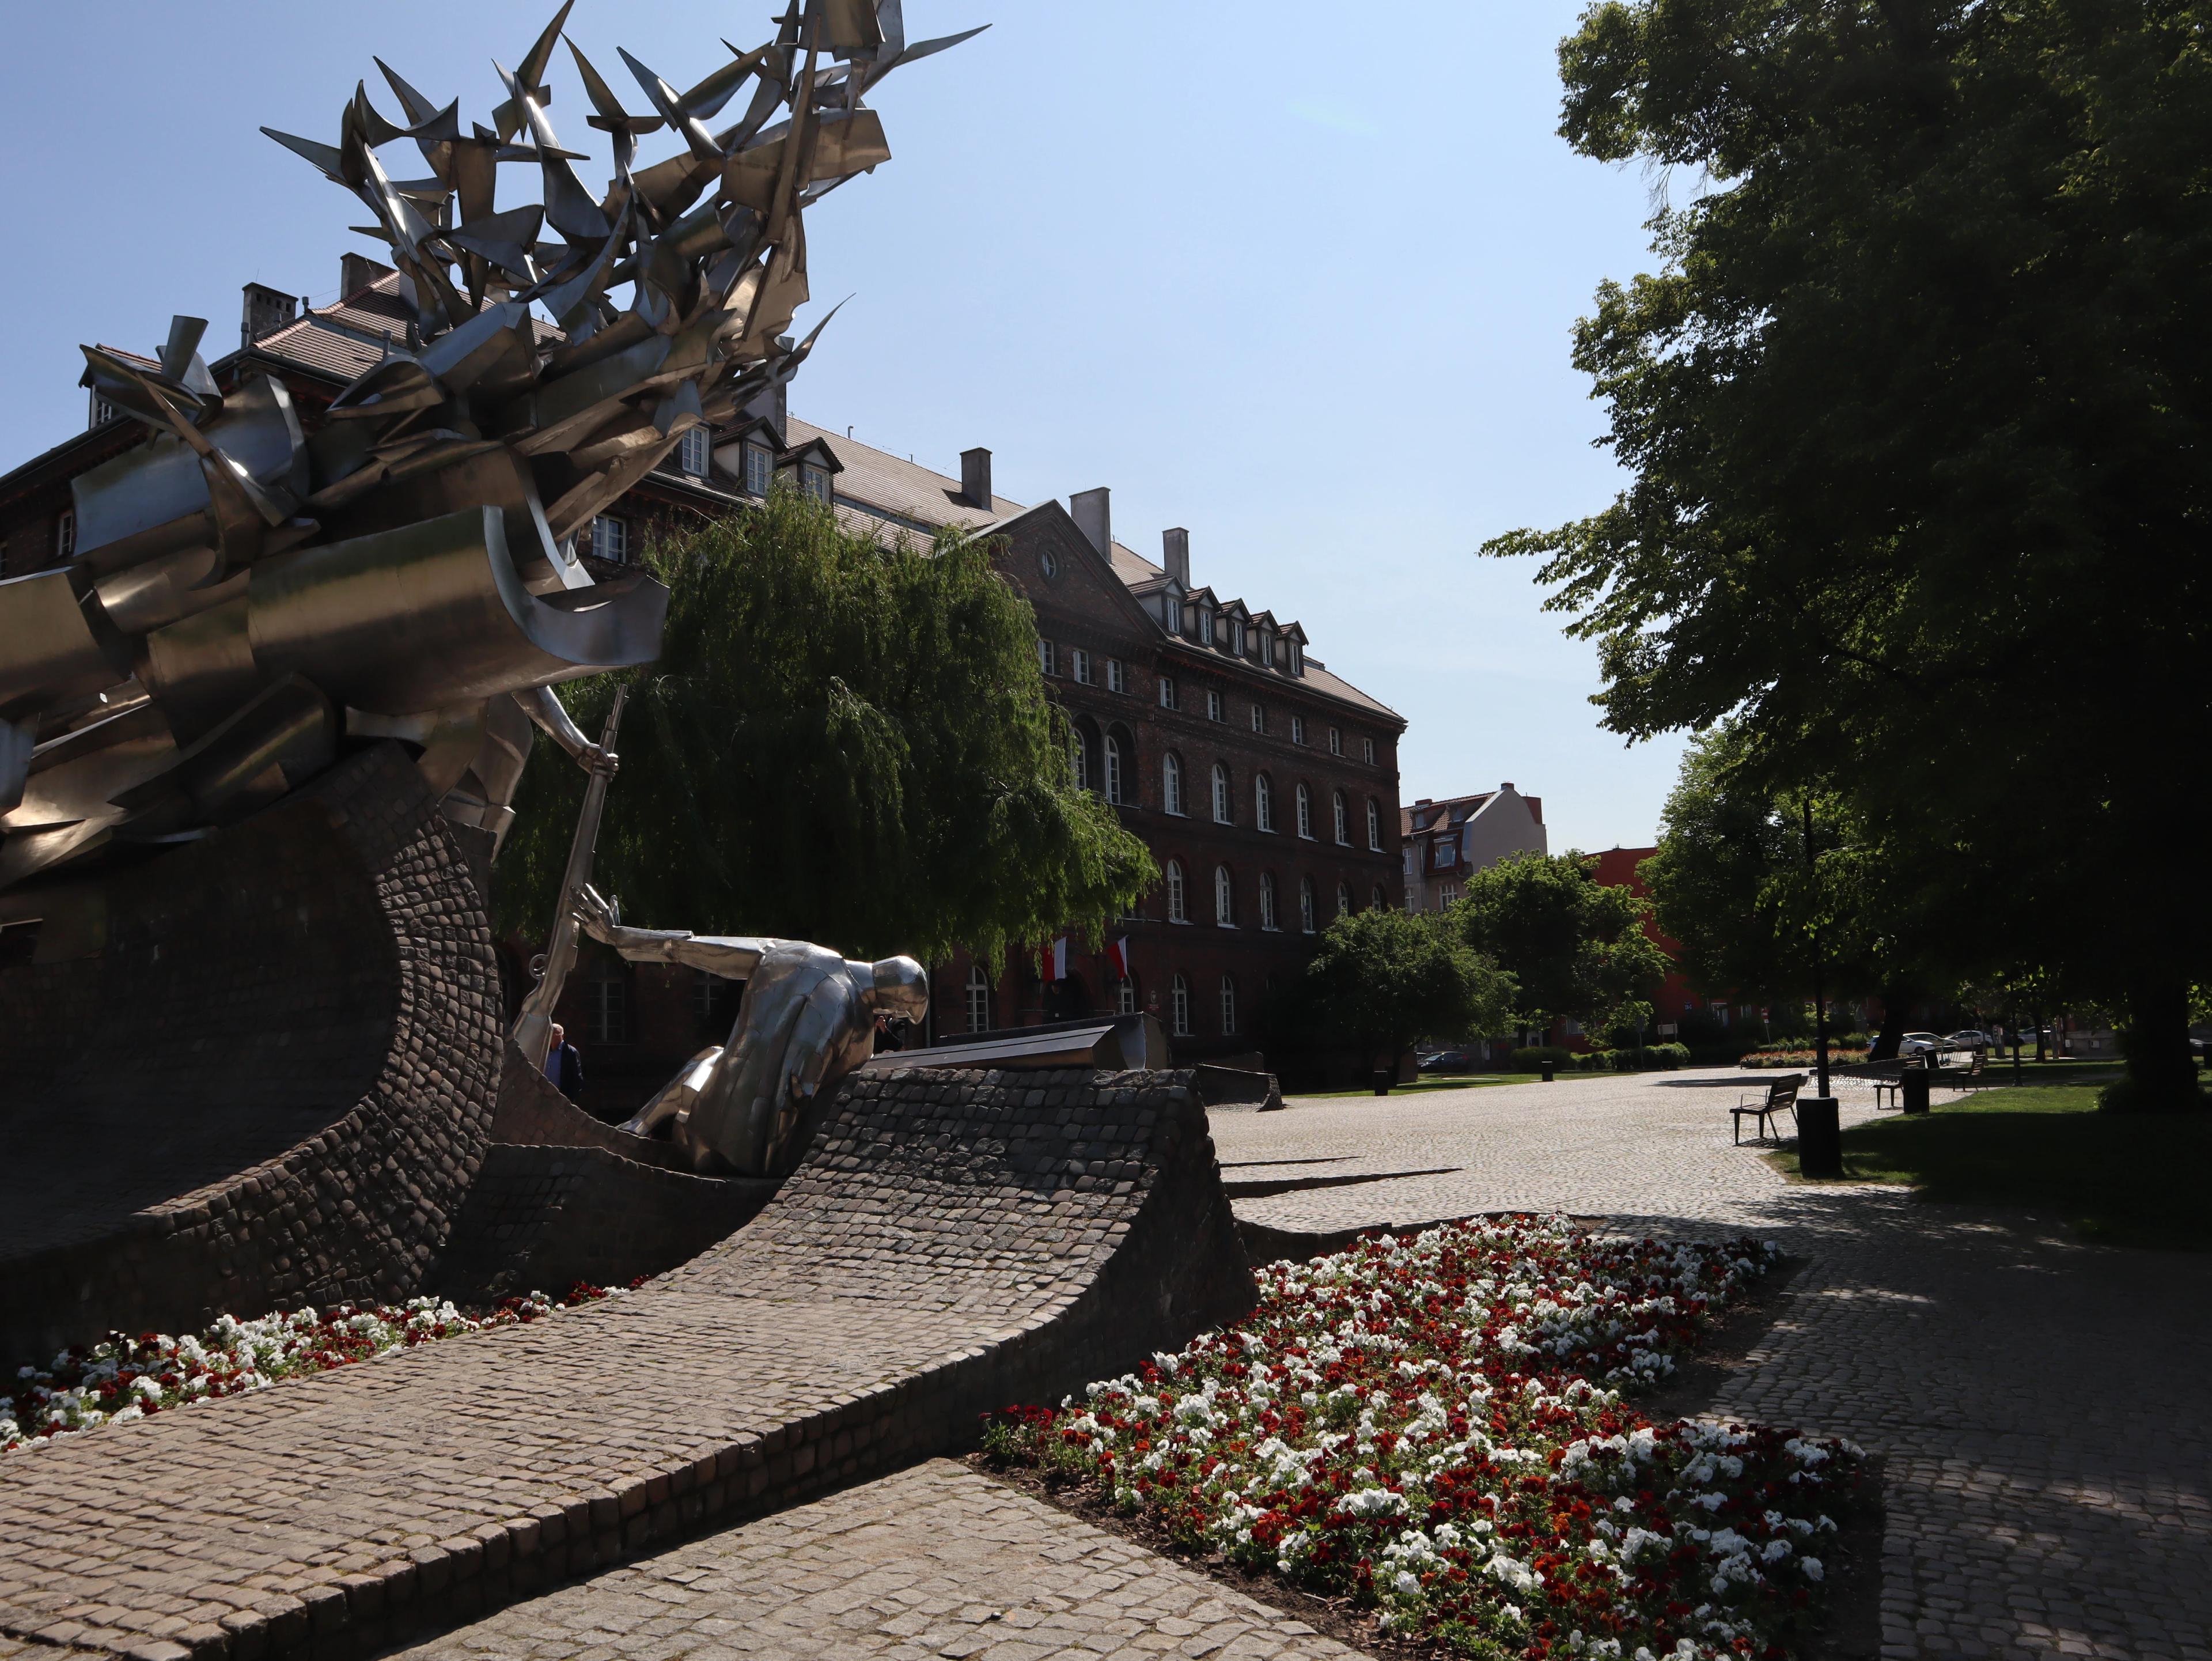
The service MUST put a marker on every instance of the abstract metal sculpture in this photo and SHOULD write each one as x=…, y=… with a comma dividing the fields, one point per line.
x=808, y=1018
x=246, y=595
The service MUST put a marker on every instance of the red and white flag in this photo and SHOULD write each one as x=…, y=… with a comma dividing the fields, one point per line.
x=1117, y=954
x=1052, y=961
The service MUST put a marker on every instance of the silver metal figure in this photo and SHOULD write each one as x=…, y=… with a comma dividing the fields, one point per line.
x=808, y=1018
x=245, y=598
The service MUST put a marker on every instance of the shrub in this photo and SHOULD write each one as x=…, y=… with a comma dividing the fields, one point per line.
x=1535, y=1058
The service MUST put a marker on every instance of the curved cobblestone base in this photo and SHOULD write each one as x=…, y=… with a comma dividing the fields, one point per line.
x=951, y=1241
x=269, y=1080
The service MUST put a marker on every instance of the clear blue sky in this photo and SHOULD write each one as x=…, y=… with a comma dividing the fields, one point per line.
x=1300, y=285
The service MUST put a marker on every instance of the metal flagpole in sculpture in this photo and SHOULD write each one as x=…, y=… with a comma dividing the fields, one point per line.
x=533, y=1027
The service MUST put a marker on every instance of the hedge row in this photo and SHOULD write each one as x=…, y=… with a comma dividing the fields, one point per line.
x=1655, y=1058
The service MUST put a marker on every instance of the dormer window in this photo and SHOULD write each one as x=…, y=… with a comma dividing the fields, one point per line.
x=102, y=412
x=692, y=451
x=1298, y=659
x=1236, y=637
x=759, y=468
x=66, y=535
x=1171, y=613
x=815, y=481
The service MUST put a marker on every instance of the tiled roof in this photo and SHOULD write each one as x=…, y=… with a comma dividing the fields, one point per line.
x=910, y=497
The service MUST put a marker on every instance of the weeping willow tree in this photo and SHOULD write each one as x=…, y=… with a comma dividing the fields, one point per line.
x=840, y=742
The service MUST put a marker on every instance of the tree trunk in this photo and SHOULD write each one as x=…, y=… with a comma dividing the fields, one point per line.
x=2161, y=1075
x=1895, y=1000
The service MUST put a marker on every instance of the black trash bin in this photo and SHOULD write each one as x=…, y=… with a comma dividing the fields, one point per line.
x=1819, y=1137
x=1912, y=1087
x=1382, y=1077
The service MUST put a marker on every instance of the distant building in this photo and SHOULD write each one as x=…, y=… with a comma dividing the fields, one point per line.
x=1446, y=841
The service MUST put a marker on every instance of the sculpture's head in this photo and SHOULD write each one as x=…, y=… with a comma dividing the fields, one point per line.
x=902, y=987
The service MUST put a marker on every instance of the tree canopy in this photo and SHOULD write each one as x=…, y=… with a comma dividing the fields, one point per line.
x=1575, y=948
x=840, y=742
x=1915, y=414
x=1382, y=979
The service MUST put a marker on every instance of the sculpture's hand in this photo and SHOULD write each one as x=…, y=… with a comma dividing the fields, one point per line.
x=594, y=759
x=599, y=917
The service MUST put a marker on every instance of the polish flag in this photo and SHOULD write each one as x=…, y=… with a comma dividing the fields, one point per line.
x=1052, y=961
x=1117, y=953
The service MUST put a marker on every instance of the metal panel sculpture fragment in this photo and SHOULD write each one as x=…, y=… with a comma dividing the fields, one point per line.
x=244, y=596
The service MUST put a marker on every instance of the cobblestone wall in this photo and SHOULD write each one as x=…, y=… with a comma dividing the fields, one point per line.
x=270, y=1082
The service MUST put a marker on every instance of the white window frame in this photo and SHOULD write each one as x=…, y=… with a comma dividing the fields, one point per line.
x=1225, y=898
x=1215, y=709
x=1224, y=805
x=1168, y=693
x=695, y=451
x=1307, y=906
x=760, y=469
x=1179, y=1007
x=1260, y=718
x=1078, y=757
x=979, y=999
x=1367, y=747
x=1178, y=909
x=815, y=483
x=1446, y=896
x=1378, y=898
x=1344, y=899
x=1171, y=784
x=66, y=535
x=1112, y=761
x=1079, y=665
x=1305, y=812
x=1263, y=802
x=1336, y=741
x=1125, y=995
x=1270, y=920
x=1343, y=809
x=1374, y=826
x=1228, y=1004
x=1117, y=675
x=610, y=539
x=1297, y=729
x=1047, y=656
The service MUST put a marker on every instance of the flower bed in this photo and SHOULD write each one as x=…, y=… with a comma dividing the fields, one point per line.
x=1839, y=1056
x=123, y=1378
x=1435, y=1426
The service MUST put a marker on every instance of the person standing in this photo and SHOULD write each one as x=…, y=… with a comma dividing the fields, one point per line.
x=564, y=1067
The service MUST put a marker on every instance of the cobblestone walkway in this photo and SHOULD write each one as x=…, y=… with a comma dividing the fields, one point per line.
x=2040, y=1407
x=934, y=1561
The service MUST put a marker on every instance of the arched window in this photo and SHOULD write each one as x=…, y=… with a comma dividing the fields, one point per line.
x=1344, y=899
x=1176, y=911
x=1113, y=749
x=1263, y=802
x=1172, y=783
x=1125, y=995
x=1267, y=919
x=1374, y=826
x=1227, y=1003
x=979, y=999
x=1305, y=813
x=1225, y=897
x=1078, y=757
x=1306, y=905
x=1179, y=1007
x=1378, y=899
x=1224, y=811
x=1343, y=821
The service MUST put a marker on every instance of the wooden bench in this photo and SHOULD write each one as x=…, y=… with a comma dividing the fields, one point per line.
x=1969, y=1077
x=1781, y=1094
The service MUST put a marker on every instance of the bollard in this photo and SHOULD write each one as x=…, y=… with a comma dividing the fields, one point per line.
x=1548, y=1075
x=1912, y=1088
x=1819, y=1137
x=1381, y=1081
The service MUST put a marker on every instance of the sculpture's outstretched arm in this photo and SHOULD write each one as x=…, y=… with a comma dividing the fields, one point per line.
x=545, y=709
x=733, y=957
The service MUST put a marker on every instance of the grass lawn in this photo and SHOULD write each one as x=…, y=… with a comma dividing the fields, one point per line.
x=2126, y=1179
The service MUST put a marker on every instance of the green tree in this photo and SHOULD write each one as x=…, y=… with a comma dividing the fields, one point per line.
x=1382, y=979
x=841, y=743
x=1918, y=414
x=1575, y=949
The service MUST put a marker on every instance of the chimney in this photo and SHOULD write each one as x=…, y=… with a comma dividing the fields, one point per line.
x=1093, y=512
x=265, y=311
x=1176, y=543
x=975, y=478
x=356, y=271
x=1508, y=785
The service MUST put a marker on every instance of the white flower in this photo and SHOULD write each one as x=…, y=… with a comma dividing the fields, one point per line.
x=1813, y=1569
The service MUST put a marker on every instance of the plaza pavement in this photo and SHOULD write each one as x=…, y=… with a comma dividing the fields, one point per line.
x=2039, y=1408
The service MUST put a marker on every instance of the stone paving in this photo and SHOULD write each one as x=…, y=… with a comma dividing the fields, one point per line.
x=934, y=1561
x=2038, y=1406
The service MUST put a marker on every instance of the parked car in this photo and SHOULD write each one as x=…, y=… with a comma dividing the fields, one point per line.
x=1971, y=1038
x=1918, y=1044
x=1450, y=1061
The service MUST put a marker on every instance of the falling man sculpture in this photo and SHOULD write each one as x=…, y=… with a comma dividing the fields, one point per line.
x=808, y=1018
